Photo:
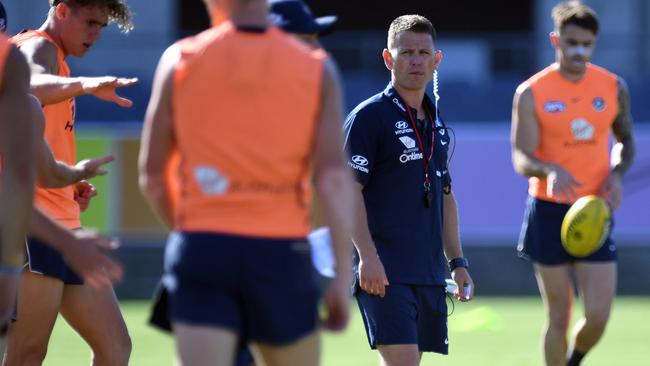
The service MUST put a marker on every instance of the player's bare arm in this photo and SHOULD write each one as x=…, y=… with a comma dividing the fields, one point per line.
x=50, y=88
x=452, y=246
x=623, y=150
x=524, y=138
x=18, y=154
x=335, y=190
x=52, y=173
x=372, y=275
x=158, y=140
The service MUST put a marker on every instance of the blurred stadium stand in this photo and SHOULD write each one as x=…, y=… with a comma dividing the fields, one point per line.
x=489, y=48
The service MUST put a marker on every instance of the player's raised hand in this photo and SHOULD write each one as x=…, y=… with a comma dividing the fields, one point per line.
x=86, y=257
x=337, y=304
x=105, y=87
x=90, y=168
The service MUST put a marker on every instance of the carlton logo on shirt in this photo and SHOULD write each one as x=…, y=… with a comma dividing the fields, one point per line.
x=358, y=162
x=554, y=106
x=599, y=104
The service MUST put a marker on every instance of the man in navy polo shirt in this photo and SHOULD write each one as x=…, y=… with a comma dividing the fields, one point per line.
x=398, y=149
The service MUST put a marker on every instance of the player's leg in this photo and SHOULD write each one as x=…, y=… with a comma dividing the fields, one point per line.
x=38, y=306
x=391, y=324
x=281, y=312
x=597, y=285
x=205, y=346
x=305, y=351
x=96, y=316
x=557, y=293
x=399, y=354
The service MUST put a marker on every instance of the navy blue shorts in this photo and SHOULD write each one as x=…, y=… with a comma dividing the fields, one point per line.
x=540, y=240
x=159, y=318
x=265, y=290
x=408, y=314
x=45, y=260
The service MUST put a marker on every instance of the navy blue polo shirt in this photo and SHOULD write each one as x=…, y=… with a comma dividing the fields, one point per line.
x=386, y=158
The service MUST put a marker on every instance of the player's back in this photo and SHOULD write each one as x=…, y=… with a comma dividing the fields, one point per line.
x=245, y=106
x=575, y=120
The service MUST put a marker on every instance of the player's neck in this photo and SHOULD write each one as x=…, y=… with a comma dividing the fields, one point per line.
x=571, y=75
x=412, y=97
x=253, y=14
x=53, y=31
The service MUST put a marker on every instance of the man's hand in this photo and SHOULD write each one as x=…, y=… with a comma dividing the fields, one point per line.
x=86, y=258
x=337, y=303
x=560, y=184
x=91, y=168
x=105, y=87
x=372, y=276
x=612, y=189
x=8, y=294
x=465, y=284
x=83, y=193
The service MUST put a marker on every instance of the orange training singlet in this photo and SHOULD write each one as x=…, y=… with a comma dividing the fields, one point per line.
x=5, y=47
x=4, y=53
x=245, y=109
x=575, y=122
x=59, y=204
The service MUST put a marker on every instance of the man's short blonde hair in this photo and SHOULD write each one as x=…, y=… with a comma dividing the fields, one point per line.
x=409, y=23
x=118, y=11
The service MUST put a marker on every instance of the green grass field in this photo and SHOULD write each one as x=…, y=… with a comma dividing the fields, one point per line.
x=488, y=331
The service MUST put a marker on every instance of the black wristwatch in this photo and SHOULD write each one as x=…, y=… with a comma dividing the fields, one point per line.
x=458, y=262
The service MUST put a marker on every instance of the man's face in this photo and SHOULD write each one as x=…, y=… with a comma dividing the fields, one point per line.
x=81, y=27
x=411, y=59
x=574, y=46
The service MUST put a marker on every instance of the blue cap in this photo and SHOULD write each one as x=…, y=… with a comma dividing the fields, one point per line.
x=294, y=16
x=3, y=18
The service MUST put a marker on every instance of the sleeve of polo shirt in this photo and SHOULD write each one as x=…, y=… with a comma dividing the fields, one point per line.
x=361, y=144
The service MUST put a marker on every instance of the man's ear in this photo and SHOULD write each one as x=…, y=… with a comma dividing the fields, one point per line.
x=555, y=39
x=438, y=58
x=388, y=59
x=62, y=10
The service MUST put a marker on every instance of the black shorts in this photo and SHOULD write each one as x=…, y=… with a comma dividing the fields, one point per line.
x=44, y=260
x=265, y=290
x=407, y=314
x=540, y=239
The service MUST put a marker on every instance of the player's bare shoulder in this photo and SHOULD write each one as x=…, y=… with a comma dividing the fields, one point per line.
x=41, y=54
x=523, y=98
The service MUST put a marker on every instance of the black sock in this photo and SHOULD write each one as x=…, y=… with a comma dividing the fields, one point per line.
x=575, y=357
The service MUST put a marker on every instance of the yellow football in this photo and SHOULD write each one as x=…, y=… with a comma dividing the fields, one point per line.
x=586, y=226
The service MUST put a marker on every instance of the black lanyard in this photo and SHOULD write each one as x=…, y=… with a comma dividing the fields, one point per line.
x=428, y=196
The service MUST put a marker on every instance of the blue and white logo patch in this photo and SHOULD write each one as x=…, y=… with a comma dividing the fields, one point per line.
x=400, y=125
x=599, y=104
x=554, y=106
